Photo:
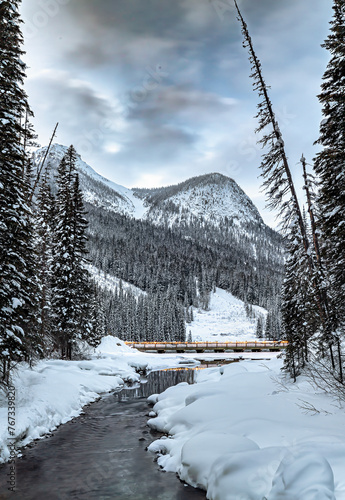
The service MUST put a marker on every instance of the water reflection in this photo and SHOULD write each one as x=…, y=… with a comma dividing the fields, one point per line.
x=155, y=383
x=102, y=454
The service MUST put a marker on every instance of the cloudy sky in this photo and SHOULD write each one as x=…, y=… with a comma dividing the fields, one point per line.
x=152, y=92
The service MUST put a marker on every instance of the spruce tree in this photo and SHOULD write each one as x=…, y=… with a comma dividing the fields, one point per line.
x=300, y=318
x=62, y=293
x=96, y=328
x=44, y=249
x=71, y=294
x=81, y=279
x=275, y=167
x=16, y=243
x=259, y=328
x=329, y=163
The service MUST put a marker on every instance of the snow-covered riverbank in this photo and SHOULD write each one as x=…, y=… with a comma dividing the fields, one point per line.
x=55, y=391
x=243, y=432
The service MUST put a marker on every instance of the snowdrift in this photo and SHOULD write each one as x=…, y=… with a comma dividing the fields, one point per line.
x=243, y=432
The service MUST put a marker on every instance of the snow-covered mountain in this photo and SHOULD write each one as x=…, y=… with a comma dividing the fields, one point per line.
x=212, y=198
x=97, y=190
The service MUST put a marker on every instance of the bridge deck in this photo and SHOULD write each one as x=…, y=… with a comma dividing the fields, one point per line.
x=209, y=346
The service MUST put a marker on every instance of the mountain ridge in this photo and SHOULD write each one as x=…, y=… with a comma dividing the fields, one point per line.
x=212, y=197
x=120, y=199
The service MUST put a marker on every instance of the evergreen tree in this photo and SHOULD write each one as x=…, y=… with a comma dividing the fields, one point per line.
x=259, y=328
x=71, y=287
x=44, y=242
x=17, y=289
x=329, y=163
x=81, y=279
x=96, y=328
x=300, y=318
x=275, y=167
x=62, y=293
x=282, y=195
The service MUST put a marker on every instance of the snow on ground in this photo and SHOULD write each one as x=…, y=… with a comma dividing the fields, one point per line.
x=110, y=282
x=226, y=320
x=244, y=432
x=142, y=360
x=55, y=391
x=225, y=357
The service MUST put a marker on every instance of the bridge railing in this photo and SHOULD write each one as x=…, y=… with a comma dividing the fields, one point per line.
x=262, y=344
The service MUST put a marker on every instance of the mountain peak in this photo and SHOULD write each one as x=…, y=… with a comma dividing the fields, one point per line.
x=211, y=197
x=213, y=177
x=97, y=190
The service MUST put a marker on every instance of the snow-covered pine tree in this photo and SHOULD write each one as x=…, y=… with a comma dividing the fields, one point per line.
x=259, y=327
x=276, y=172
x=71, y=287
x=329, y=339
x=44, y=245
x=329, y=163
x=179, y=318
x=140, y=318
x=82, y=283
x=16, y=242
x=62, y=293
x=29, y=134
x=97, y=324
x=300, y=318
x=151, y=327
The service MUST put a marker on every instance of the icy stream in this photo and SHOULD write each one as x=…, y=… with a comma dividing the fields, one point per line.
x=102, y=454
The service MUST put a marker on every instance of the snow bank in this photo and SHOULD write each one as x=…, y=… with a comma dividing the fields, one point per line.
x=55, y=391
x=115, y=349
x=243, y=432
x=113, y=345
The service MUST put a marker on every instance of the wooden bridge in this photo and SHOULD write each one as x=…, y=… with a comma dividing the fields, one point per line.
x=199, y=347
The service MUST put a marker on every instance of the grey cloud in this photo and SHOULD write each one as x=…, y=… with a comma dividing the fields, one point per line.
x=108, y=32
x=156, y=145
x=117, y=48
x=182, y=104
x=78, y=108
x=134, y=16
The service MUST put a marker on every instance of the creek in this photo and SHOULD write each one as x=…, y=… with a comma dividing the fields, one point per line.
x=101, y=455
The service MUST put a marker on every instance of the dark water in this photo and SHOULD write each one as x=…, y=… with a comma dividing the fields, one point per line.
x=101, y=454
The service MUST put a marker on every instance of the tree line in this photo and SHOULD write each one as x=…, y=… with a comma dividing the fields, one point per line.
x=144, y=317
